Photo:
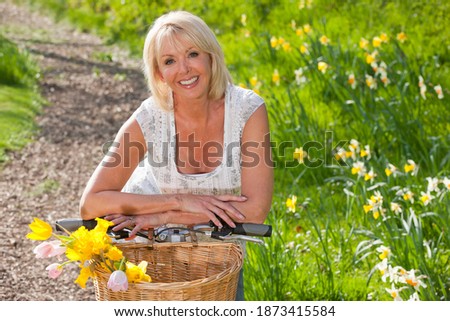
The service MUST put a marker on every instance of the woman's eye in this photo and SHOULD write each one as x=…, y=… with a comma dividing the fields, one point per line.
x=168, y=62
x=193, y=54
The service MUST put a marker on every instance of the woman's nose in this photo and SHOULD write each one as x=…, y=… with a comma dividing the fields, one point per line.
x=185, y=67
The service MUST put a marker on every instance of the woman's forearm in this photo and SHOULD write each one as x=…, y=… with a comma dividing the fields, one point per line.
x=178, y=217
x=114, y=202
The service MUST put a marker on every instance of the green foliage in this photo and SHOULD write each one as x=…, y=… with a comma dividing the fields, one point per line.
x=19, y=100
x=15, y=65
x=326, y=249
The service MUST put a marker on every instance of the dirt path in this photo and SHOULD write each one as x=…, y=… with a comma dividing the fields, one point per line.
x=88, y=101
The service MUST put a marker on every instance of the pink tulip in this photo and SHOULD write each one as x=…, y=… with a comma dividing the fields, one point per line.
x=118, y=281
x=49, y=249
x=54, y=270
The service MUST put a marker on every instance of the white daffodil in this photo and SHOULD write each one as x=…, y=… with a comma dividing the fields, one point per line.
x=426, y=197
x=395, y=293
x=438, y=90
x=385, y=252
x=446, y=182
x=299, y=77
x=359, y=168
x=391, y=170
x=433, y=183
x=412, y=167
x=396, y=208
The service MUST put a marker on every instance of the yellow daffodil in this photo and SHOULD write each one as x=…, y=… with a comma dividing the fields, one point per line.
x=254, y=81
x=412, y=167
x=242, y=85
x=322, y=66
x=324, y=40
x=276, y=77
x=299, y=32
x=371, y=57
x=363, y=43
x=376, y=215
x=376, y=42
x=291, y=203
x=286, y=46
x=244, y=19
x=114, y=253
x=304, y=49
x=40, y=230
x=137, y=273
x=402, y=37
x=438, y=90
x=367, y=208
x=293, y=24
x=300, y=155
x=273, y=42
x=384, y=38
x=85, y=274
x=305, y=4
x=307, y=28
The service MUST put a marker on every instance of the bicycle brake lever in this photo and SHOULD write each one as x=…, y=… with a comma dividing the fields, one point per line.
x=241, y=237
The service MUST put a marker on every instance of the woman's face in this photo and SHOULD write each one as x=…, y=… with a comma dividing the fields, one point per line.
x=185, y=69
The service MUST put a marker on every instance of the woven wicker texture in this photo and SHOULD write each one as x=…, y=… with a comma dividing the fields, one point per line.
x=179, y=272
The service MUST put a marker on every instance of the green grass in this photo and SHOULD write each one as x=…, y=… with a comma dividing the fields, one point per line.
x=19, y=100
x=326, y=248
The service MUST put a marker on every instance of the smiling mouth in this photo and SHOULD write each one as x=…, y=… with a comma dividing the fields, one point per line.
x=189, y=81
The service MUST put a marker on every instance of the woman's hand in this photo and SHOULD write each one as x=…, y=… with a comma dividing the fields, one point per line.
x=212, y=205
x=137, y=222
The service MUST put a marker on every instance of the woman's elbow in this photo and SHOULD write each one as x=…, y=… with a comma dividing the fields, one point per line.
x=259, y=215
x=86, y=207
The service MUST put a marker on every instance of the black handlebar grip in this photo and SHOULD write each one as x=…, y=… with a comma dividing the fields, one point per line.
x=252, y=229
x=72, y=224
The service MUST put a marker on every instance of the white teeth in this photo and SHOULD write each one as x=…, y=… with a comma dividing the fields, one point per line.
x=188, y=82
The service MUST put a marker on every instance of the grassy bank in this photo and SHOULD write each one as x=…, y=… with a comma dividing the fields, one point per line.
x=357, y=93
x=19, y=98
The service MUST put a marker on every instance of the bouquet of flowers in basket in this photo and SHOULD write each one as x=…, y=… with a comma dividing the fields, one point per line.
x=89, y=249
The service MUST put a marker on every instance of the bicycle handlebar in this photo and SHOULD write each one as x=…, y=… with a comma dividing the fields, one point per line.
x=226, y=232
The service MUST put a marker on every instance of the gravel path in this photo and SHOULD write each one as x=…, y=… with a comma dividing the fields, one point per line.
x=88, y=100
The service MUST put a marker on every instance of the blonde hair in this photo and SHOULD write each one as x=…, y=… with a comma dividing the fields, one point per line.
x=193, y=30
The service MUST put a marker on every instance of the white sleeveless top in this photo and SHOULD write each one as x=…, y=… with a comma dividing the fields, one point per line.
x=157, y=173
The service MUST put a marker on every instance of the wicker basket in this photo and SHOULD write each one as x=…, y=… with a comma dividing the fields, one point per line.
x=179, y=272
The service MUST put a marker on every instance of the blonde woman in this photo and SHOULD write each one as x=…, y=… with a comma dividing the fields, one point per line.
x=197, y=150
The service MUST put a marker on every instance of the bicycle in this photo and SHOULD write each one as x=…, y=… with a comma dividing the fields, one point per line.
x=181, y=267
